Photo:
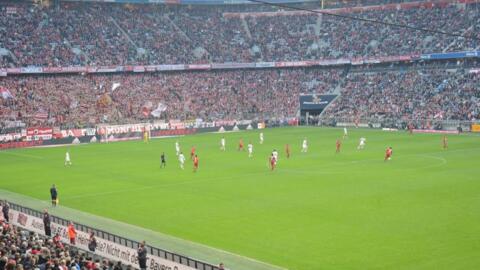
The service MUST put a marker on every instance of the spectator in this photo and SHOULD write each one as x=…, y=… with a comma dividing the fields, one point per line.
x=72, y=233
x=142, y=256
x=5, y=211
x=92, y=242
x=47, y=223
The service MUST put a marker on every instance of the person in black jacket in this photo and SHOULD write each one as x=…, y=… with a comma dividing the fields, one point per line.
x=46, y=223
x=5, y=210
x=92, y=242
x=142, y=256
x=54, y=195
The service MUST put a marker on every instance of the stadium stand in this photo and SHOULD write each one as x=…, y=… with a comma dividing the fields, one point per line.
x=105, y=34
x=21, y=249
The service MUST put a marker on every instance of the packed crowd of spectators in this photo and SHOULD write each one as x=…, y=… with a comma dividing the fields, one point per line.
x=24, y=250
x=416, y=94
x=114, y=34
x=81, y=100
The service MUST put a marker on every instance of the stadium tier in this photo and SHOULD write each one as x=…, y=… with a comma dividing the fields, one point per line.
x=74, y=34
x=75, y=100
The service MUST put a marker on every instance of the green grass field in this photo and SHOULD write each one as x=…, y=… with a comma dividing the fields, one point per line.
x=319, y=210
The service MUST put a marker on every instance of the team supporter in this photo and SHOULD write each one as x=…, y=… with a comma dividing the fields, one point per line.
x=72, y=233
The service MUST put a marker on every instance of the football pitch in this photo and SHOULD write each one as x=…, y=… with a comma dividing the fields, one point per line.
x=317, y=210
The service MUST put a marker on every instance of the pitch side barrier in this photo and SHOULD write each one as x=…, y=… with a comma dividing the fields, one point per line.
x=110, y=246
x=396, y=123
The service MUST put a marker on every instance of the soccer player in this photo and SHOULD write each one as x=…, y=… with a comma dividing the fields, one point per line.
x=304, y=145
x=195, y=163
x=338, y=145
x=388, y=153
x=273, y=162
x=345, y=133
x=275, y=155
x=287, y=150
x=67, y=158
x=250, y=149
x=222, y=144
x=177, y=148
x=181, y=159
x=163, y=162
x=445, y=142
x=410, y=128
x=192, y=152
x=261, y=137
x=361, y=144
x=240, y=145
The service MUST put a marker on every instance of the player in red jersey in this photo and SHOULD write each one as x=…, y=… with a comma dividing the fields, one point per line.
x=388, y=153
x=240, y=145
x=410, y=128
x=273, y=162
x=287, y=150
x=445, y=142
x=339, y=145
x=195, y=163
x=192, y=153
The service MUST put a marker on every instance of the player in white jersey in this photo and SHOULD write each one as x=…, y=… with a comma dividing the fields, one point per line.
x=177, y=148
x=275, y=155
x=222, y=144
x=345, y=133
x=250, y=149
x=362, y=142
x=304, y=146
x=67, y=159
x=261, y=137
x=181, y=159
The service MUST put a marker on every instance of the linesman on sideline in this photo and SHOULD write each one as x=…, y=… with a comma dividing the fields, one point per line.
x=54, y=195
x=163, y=162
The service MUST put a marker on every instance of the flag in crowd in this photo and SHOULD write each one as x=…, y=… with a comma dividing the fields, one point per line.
x=158, y=111
x=115, y=86
x=5, y=93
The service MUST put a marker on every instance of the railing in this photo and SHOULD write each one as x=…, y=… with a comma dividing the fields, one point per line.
x=161, y=253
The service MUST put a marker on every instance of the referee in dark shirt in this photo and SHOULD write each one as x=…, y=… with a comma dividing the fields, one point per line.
x=54, y=195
